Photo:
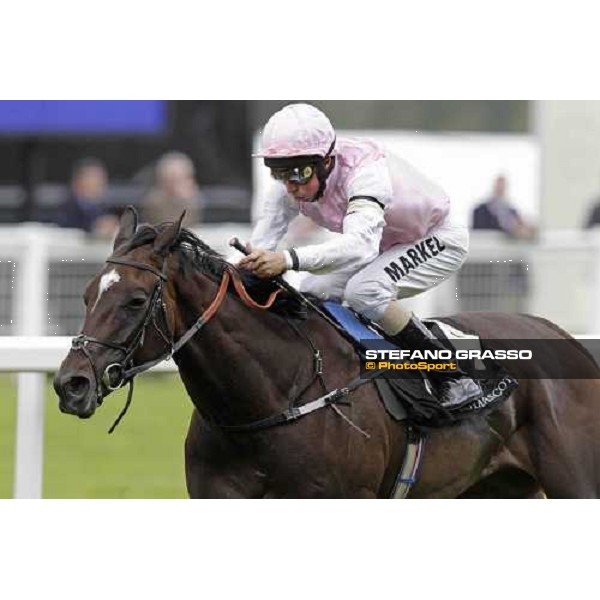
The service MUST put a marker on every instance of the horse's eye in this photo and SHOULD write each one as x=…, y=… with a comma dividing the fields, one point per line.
x=137, y=302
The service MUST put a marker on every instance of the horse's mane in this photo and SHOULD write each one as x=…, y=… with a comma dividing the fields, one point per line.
x=191, y=250
x=194, y=254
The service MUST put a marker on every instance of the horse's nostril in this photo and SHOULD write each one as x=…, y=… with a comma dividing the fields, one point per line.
x=77, y=387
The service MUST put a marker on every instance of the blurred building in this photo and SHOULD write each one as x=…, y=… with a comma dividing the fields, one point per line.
x=217, y=135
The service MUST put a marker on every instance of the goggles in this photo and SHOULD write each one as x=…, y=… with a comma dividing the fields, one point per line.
x=299, y=175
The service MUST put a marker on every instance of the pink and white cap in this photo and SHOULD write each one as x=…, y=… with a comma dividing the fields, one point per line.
x=297, y=130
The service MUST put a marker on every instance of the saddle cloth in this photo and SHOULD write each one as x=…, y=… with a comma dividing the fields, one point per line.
x=411, y=398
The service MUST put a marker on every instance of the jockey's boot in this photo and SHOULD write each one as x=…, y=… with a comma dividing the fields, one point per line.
x=455, y=388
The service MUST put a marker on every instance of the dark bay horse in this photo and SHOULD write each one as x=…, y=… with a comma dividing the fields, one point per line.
x=241, y=364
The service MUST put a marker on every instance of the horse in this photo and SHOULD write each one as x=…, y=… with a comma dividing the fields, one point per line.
x=165, y=292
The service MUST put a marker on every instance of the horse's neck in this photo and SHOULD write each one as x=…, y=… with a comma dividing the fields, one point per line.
x=245, y=364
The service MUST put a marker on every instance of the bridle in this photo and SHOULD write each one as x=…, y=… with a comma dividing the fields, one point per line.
x=125, y=370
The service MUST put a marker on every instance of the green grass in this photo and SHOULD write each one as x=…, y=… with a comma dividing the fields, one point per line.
x=143, y=458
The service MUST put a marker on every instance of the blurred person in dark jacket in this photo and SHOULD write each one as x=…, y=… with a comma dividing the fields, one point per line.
x=174, y=191
x=496, y=213
x=83, y=207
x=593, y=216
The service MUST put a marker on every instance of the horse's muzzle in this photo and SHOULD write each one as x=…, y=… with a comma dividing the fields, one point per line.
x=76, y=394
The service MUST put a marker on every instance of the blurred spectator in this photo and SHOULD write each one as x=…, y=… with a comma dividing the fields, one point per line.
x=497, y=213
x=83, y=207
x=174, y=191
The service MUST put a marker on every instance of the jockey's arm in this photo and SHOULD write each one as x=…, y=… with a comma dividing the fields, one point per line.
x=357, y=245
x=368, y=189
x=277, y=212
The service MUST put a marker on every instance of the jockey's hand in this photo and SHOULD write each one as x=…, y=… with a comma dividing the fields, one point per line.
x=264, y=263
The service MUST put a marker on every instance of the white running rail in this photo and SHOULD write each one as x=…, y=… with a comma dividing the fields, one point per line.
x=32, y=357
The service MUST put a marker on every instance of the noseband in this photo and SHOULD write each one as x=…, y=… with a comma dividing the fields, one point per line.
x=137, y=338
x=125, y=370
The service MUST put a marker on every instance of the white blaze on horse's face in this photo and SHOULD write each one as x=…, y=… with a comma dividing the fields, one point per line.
x=106, y=281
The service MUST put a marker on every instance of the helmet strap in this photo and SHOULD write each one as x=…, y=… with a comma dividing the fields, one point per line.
x=323, y=172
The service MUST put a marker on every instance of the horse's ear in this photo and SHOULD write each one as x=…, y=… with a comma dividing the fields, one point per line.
x=127, y=226
x=166, y=238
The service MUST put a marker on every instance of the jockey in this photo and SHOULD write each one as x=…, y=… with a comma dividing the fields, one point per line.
x=397, y=236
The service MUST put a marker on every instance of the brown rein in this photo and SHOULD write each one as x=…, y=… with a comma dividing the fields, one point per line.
x=245, y=297
x=229, y=274
x=232, y=274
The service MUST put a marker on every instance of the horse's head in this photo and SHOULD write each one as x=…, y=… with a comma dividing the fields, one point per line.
x=129, y=317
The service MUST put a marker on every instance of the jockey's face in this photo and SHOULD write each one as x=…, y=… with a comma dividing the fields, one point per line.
x=303, y=193
x=306, y=192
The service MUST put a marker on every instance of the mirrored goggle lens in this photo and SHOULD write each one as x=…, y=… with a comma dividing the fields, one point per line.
x=300, y=175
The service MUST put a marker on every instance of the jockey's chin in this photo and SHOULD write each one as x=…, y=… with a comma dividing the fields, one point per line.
x=303, y=193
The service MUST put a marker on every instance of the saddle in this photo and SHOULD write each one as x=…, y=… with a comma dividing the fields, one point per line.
x=412, y=398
